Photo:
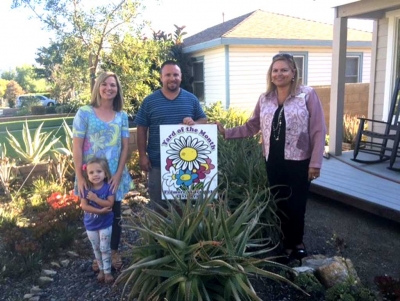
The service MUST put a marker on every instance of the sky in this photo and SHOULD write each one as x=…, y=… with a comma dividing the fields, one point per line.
x=22, y=35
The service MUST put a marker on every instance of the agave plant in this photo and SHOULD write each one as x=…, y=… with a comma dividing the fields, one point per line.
x=196, y=250
x=32, y=150
x=62, y=156
x=6, y=169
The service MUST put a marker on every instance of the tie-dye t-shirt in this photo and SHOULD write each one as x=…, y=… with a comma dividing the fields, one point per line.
x=103, y=140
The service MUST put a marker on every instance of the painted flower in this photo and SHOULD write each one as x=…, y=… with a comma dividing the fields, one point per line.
x=185, y=177
x=201, y=174
x=169, y=164
x=98, y=141
x=208, y=166
x=188, y=153
x=170, y=178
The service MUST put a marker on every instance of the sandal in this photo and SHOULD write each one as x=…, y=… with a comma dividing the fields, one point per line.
x=116, y=261
x=95, y=266
x=299, y=252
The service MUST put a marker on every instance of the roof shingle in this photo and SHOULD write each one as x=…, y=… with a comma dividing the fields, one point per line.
x=260, y=24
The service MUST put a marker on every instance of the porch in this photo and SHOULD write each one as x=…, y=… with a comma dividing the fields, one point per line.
x=370, y=187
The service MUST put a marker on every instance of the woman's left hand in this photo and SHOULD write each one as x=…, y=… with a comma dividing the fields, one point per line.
x=114, y=182
x=313, y=173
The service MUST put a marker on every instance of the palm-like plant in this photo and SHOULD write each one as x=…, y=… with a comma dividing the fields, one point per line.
x=62, y=155
x=197, y=251
x=32, y=150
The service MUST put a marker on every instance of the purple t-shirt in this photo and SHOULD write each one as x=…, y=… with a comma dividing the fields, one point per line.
x=92, y=221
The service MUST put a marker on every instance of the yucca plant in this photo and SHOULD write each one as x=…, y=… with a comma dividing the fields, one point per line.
x=32, y=150
x=196, y=250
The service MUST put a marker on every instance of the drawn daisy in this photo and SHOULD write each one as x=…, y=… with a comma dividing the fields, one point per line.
x=169, y=178
x=188, y=153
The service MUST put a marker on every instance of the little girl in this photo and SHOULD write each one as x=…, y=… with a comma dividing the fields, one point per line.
x=98, y=216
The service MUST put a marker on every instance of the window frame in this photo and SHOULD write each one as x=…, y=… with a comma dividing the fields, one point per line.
x=304, y=56
x=359, y=56
x=198, y=60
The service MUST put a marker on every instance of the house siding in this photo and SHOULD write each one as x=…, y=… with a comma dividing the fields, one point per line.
x=380, y=72
x=214, y=75
x=248, y=67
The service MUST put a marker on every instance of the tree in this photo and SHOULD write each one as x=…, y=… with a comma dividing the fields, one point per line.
x=12, y=91
x=9, y=75
x=27, y=79
x=64, y=64
x=136, y=60
x=92, y=27
x=3, y=86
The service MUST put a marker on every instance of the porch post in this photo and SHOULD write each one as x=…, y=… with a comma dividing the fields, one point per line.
x=336, y=109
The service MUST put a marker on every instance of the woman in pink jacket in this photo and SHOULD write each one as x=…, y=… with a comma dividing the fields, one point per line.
x=292, y=125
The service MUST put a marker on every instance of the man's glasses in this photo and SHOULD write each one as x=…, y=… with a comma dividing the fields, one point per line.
x=284, y=55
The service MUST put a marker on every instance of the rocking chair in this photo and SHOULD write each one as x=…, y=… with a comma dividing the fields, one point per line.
x=380, y=143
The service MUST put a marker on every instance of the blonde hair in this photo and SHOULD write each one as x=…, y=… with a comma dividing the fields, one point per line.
x=104, y=165
x=288, y=58
x=118, y=101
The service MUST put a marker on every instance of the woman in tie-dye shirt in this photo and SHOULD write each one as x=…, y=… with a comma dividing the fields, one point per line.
x=101, y=130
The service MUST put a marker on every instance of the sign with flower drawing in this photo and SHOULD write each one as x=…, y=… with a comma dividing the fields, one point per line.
x=188, y=160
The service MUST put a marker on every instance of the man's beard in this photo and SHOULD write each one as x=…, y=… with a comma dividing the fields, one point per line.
x=176, y=87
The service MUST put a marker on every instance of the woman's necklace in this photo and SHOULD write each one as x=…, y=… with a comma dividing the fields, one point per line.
x=276, y=127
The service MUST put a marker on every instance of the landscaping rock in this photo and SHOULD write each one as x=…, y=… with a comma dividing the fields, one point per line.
x=43, y=281
x=338, y=271
x=48, y=273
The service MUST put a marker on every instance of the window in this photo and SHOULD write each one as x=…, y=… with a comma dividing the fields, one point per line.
x=353, y=68
x=301, y=60
x=198, y=79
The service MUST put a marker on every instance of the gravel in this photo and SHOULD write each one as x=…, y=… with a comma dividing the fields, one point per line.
x=369, y=241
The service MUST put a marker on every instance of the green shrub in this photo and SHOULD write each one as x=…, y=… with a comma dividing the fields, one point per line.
x=50, y=110
x=309, y=283
x=67, y=108
x=196, y=251
x=242, y=164
x=38, y=110
x=349, y=291
x=39, y=237
x=11, y=103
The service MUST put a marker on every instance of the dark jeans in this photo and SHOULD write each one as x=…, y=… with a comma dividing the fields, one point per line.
x=116, y=227
x=289, y=184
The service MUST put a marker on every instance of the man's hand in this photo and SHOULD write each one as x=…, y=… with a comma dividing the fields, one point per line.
x=144, y=163
x=188, y=121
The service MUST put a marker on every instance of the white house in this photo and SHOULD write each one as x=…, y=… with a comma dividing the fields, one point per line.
x=231, y=59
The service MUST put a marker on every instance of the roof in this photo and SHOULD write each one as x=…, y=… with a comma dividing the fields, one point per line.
x=261, y=24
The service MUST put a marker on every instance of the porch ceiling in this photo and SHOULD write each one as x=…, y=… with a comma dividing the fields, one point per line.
x=367, y=9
